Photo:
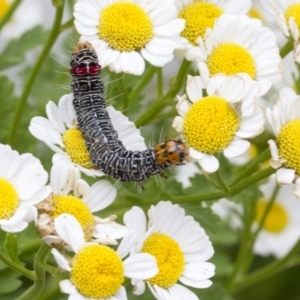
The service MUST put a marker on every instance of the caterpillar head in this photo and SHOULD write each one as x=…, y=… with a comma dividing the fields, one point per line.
x=172, y=151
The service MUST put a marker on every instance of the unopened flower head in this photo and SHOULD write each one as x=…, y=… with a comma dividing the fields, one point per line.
x=179, y=245
x=125, y=33
x=60, y=133
x=285, y=150
x=97, y=271
x=74, y=196
x=238, y=44
x=220, y=121
x=200, y=15
x=22, y=185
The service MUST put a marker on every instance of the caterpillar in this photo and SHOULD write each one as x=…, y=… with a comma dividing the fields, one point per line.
x=106, y=151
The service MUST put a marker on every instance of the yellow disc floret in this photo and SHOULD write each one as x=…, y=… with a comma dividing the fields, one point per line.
x=210, y=125
x=76, y=207
x=198, y=16
x=97, y=272
x=288, y=142
x=125, y=26
x=76, y=148
x=4, y=6
x=169, y=257
x=276, y=219
x=9, y=199
x=230, y=59
x=293, y=11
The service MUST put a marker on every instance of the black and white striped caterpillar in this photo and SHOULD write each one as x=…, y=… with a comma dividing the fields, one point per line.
x=106, y=151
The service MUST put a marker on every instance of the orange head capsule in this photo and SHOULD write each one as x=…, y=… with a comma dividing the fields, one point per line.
x=173, y=151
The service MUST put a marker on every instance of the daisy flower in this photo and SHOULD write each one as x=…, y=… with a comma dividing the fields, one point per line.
x=74, y=196
x=28, y=14
x=22, y=185
x=200, y=15
x=285, y=122
x=60, y=133
x=281, y=228
x=97, y=271
x=180, y=246
x=287, y=14
x=220, y=121
x=229, y=211
x=238, y=44
x=125, y=33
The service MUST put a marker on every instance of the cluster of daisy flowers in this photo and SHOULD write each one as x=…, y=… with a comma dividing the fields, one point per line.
x=159, y=252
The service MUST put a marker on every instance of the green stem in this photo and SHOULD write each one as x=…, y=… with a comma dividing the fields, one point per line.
x=245, y=247
x=18, y=268
x=249, y=258
x=159, y=82
x=252, y=179
x=232, y=190
x=158, y=105
x=40, y=281
x=221, y=181
x=31, y=79
x=147, y=76
x=287, y=48
x=252, y=166
x=9, y=13
x=270, y=270
x=124, y=93
x=266, y=212
x=66, y=25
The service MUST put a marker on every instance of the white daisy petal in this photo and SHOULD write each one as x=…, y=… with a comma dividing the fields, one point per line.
x=209, y=163
x=197, y=155
x=236, y=148
x=140, y=266
x=103, y=193
x=158, y=61
x=178, y=124
x=68, y=228
x=285, y=176
x=61, y=260
x=178, y=292
x=194, y=88
x=127, y=243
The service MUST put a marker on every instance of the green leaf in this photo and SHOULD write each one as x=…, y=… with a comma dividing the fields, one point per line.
x=214, y=292
x=11, y=247
x=14, y=52
x=8, y=102
x=224, y=265
x=9, y=285
x=204, y=215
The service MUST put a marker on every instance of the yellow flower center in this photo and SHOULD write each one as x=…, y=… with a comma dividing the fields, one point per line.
x=288, y=142
x=97, y=272
x=293, y=11
x=125, y=26
x=277, y=217
x=254, y=13
x=4, y=6
x=198, y=16
x=230, y=59
x=210, y=124
x=76, y=207
x=170, y=259
x=76, y=148
x=9, y=199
